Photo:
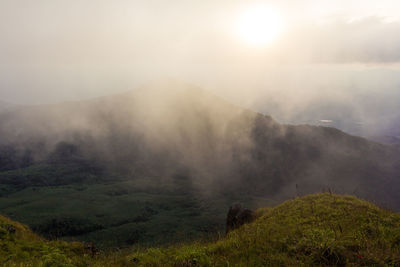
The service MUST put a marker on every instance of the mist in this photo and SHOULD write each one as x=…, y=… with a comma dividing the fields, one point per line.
x=141, y=103
x=58, y=51
x=341, y=56
x=328, y=67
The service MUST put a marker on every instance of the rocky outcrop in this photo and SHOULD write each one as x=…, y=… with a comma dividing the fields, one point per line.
x=237, y=216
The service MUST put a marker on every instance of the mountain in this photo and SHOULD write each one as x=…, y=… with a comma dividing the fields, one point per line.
x=387, y=139
x=164, y=161
x=315, y=230
x=362, y=107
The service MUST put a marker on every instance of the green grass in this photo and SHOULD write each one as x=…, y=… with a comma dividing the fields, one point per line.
x=315, y=230
x=20, y=247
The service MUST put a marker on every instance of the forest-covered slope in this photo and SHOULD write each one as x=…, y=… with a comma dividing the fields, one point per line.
x=166, y=161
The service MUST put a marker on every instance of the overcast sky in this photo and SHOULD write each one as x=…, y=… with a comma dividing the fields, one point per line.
x=55, y=50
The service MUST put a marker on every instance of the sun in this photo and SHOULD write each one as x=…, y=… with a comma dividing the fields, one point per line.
x=259, y=25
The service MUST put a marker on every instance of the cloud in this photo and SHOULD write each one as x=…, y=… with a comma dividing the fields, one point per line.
x=366, y=40
x=57, y=50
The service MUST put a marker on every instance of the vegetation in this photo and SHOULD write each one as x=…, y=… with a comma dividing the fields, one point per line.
x=315, y=230
x=159, y=165
x=109, y=210
x=20, y=247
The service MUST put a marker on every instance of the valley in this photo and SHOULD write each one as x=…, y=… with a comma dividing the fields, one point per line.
x=164, y=163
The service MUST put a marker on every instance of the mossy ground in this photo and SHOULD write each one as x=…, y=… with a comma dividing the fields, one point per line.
x=315, y=230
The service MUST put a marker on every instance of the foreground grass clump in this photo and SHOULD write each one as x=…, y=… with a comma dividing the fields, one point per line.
x=320, y=229
x=20, y=247
x=315, y=230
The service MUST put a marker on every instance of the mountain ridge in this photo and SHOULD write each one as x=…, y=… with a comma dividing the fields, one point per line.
x=144, y=157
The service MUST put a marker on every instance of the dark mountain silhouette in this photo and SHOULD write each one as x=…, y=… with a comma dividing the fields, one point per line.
x=387, y=139
x=166, y=161
x=360, y=111
x=168, y=129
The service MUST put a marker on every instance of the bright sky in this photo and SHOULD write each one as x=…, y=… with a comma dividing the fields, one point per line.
x=52, y=50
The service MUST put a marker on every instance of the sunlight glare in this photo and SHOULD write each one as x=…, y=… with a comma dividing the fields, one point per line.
x=259, y=25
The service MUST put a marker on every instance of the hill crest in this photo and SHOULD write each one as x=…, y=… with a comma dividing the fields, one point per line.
x=321, y=229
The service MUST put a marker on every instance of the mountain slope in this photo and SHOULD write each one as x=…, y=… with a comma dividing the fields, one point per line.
x=386, y=139
x=315, y=230
x=158, y=159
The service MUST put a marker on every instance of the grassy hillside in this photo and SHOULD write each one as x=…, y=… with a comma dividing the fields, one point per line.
x=320, y=229
x=20, y=247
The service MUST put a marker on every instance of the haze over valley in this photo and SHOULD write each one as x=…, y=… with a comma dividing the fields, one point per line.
x=154, y=150
x=139, y=126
